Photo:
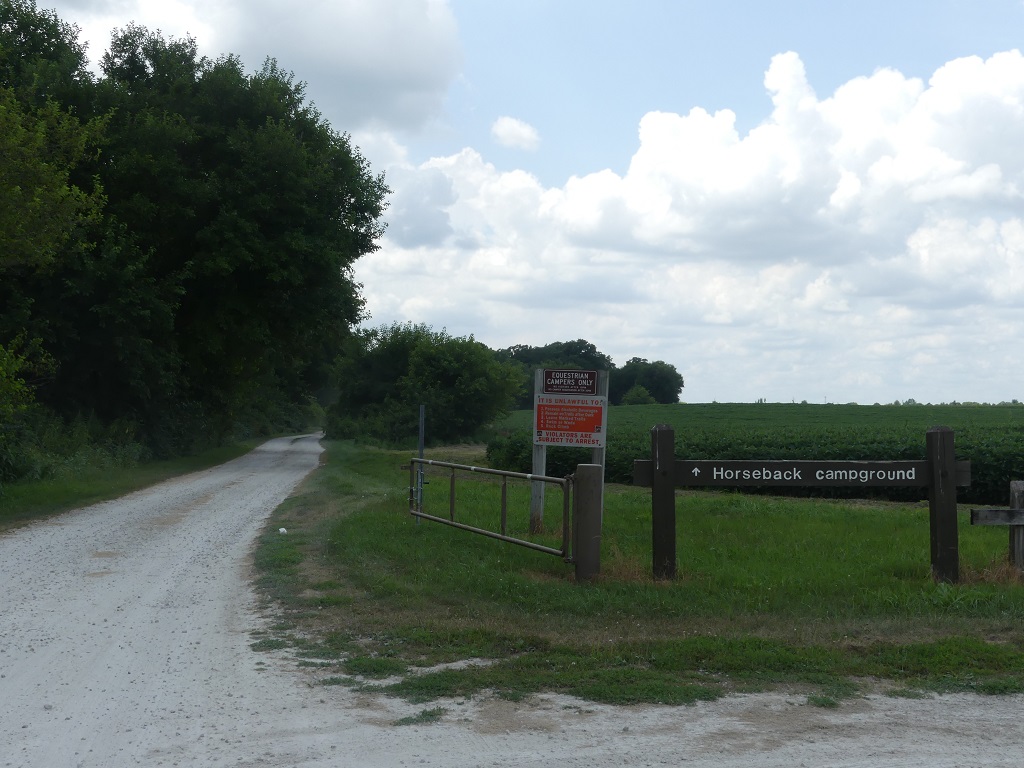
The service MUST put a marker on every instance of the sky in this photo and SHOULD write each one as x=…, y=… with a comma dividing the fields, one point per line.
x=793, y=200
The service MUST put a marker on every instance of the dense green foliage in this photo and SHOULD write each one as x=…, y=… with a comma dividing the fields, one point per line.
x=40, y=209
x=990, y=436
x=659, y=380
x=68, y=466
x=643, y=381
x=386, y=373
x=176, y=235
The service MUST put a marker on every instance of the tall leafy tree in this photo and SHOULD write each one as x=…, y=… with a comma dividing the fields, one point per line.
x=41, y=57
x=579, y=354
x=41, y=209
x=213, y=277
x=388, y=372
x=249, y=203
x=45, y=207
x=659, y=379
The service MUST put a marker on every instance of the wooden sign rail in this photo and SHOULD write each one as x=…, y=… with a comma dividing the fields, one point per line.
x=940, y=473
x=1012, y=518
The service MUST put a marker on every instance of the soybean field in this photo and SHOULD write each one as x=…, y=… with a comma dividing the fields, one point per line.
x=990, y=436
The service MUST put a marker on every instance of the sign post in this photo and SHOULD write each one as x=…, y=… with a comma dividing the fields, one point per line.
x=570, y=408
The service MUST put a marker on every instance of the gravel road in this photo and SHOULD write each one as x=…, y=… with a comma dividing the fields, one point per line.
x=124, y=641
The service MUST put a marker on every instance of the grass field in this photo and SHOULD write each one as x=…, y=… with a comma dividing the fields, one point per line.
x=814, y=595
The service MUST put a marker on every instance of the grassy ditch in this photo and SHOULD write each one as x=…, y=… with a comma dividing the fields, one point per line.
x=823, y=597
x=84, y=482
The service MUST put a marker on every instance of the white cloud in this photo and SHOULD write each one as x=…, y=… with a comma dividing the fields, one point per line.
x=852, y=240
x=385, y=65
x=515, y=133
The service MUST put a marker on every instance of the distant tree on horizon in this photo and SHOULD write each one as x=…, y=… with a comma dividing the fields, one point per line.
x=661, y=380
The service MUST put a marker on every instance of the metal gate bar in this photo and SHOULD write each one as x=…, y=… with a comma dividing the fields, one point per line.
x=416, y=503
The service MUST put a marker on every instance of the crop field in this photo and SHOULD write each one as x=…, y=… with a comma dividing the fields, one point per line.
x=738, y=417
x=990, y=436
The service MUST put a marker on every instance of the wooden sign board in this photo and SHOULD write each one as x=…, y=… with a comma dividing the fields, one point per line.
x=802, y=473
x=561, y=381
x=910, y=474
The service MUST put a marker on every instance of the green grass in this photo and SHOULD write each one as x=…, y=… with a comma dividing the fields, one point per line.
x=23, y=502
x=805, y=594
x=426, y=717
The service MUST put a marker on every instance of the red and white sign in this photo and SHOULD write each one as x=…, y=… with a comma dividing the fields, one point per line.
x=570, y=420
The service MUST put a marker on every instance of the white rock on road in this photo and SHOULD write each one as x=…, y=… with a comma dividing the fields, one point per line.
x=124, y=641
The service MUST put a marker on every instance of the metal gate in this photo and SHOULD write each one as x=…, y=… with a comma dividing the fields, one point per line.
x=416, y=474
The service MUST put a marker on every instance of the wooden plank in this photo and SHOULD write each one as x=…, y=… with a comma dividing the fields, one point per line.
x=1017, y=531
x=663, y=502
x=643, y=472
x=945, y=542
x=802, y=473
x=963, y=473
x=997, y=517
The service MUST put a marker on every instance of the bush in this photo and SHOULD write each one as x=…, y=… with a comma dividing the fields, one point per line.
x=387, y=373
x=514, y=453
x=37, y=445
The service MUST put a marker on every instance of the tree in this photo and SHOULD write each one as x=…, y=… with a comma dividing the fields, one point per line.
x=386, y=373
x=41, y=58
x=14, y=392
x=579, y=354
x=43, y=212
x=637, y=395
x=661, y=380
x=42, y=140
x=251, y=206
x=216, y=279
x=40, y=208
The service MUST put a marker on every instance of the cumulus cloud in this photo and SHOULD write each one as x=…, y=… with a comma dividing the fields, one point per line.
x=854, y=239
x=417, y=214
x=385, y=65
x=514, y=133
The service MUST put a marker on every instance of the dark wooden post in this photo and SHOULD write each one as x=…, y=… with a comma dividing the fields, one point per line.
x=1017, y=531
x=942, y=505
x=588, y=495
x=663, y=501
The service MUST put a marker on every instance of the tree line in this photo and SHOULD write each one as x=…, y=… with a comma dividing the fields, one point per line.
x=176, y=235
x=386, y=373
x=638, y=382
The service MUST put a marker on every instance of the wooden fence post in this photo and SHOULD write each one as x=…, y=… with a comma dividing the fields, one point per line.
x=1017, y=531
x=663, y=501
x=587, y=496
x=942, y=505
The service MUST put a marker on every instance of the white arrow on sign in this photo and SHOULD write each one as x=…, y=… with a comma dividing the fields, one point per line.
x=696, y=471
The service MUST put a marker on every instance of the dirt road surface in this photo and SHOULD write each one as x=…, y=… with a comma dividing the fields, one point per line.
x=125, y=632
